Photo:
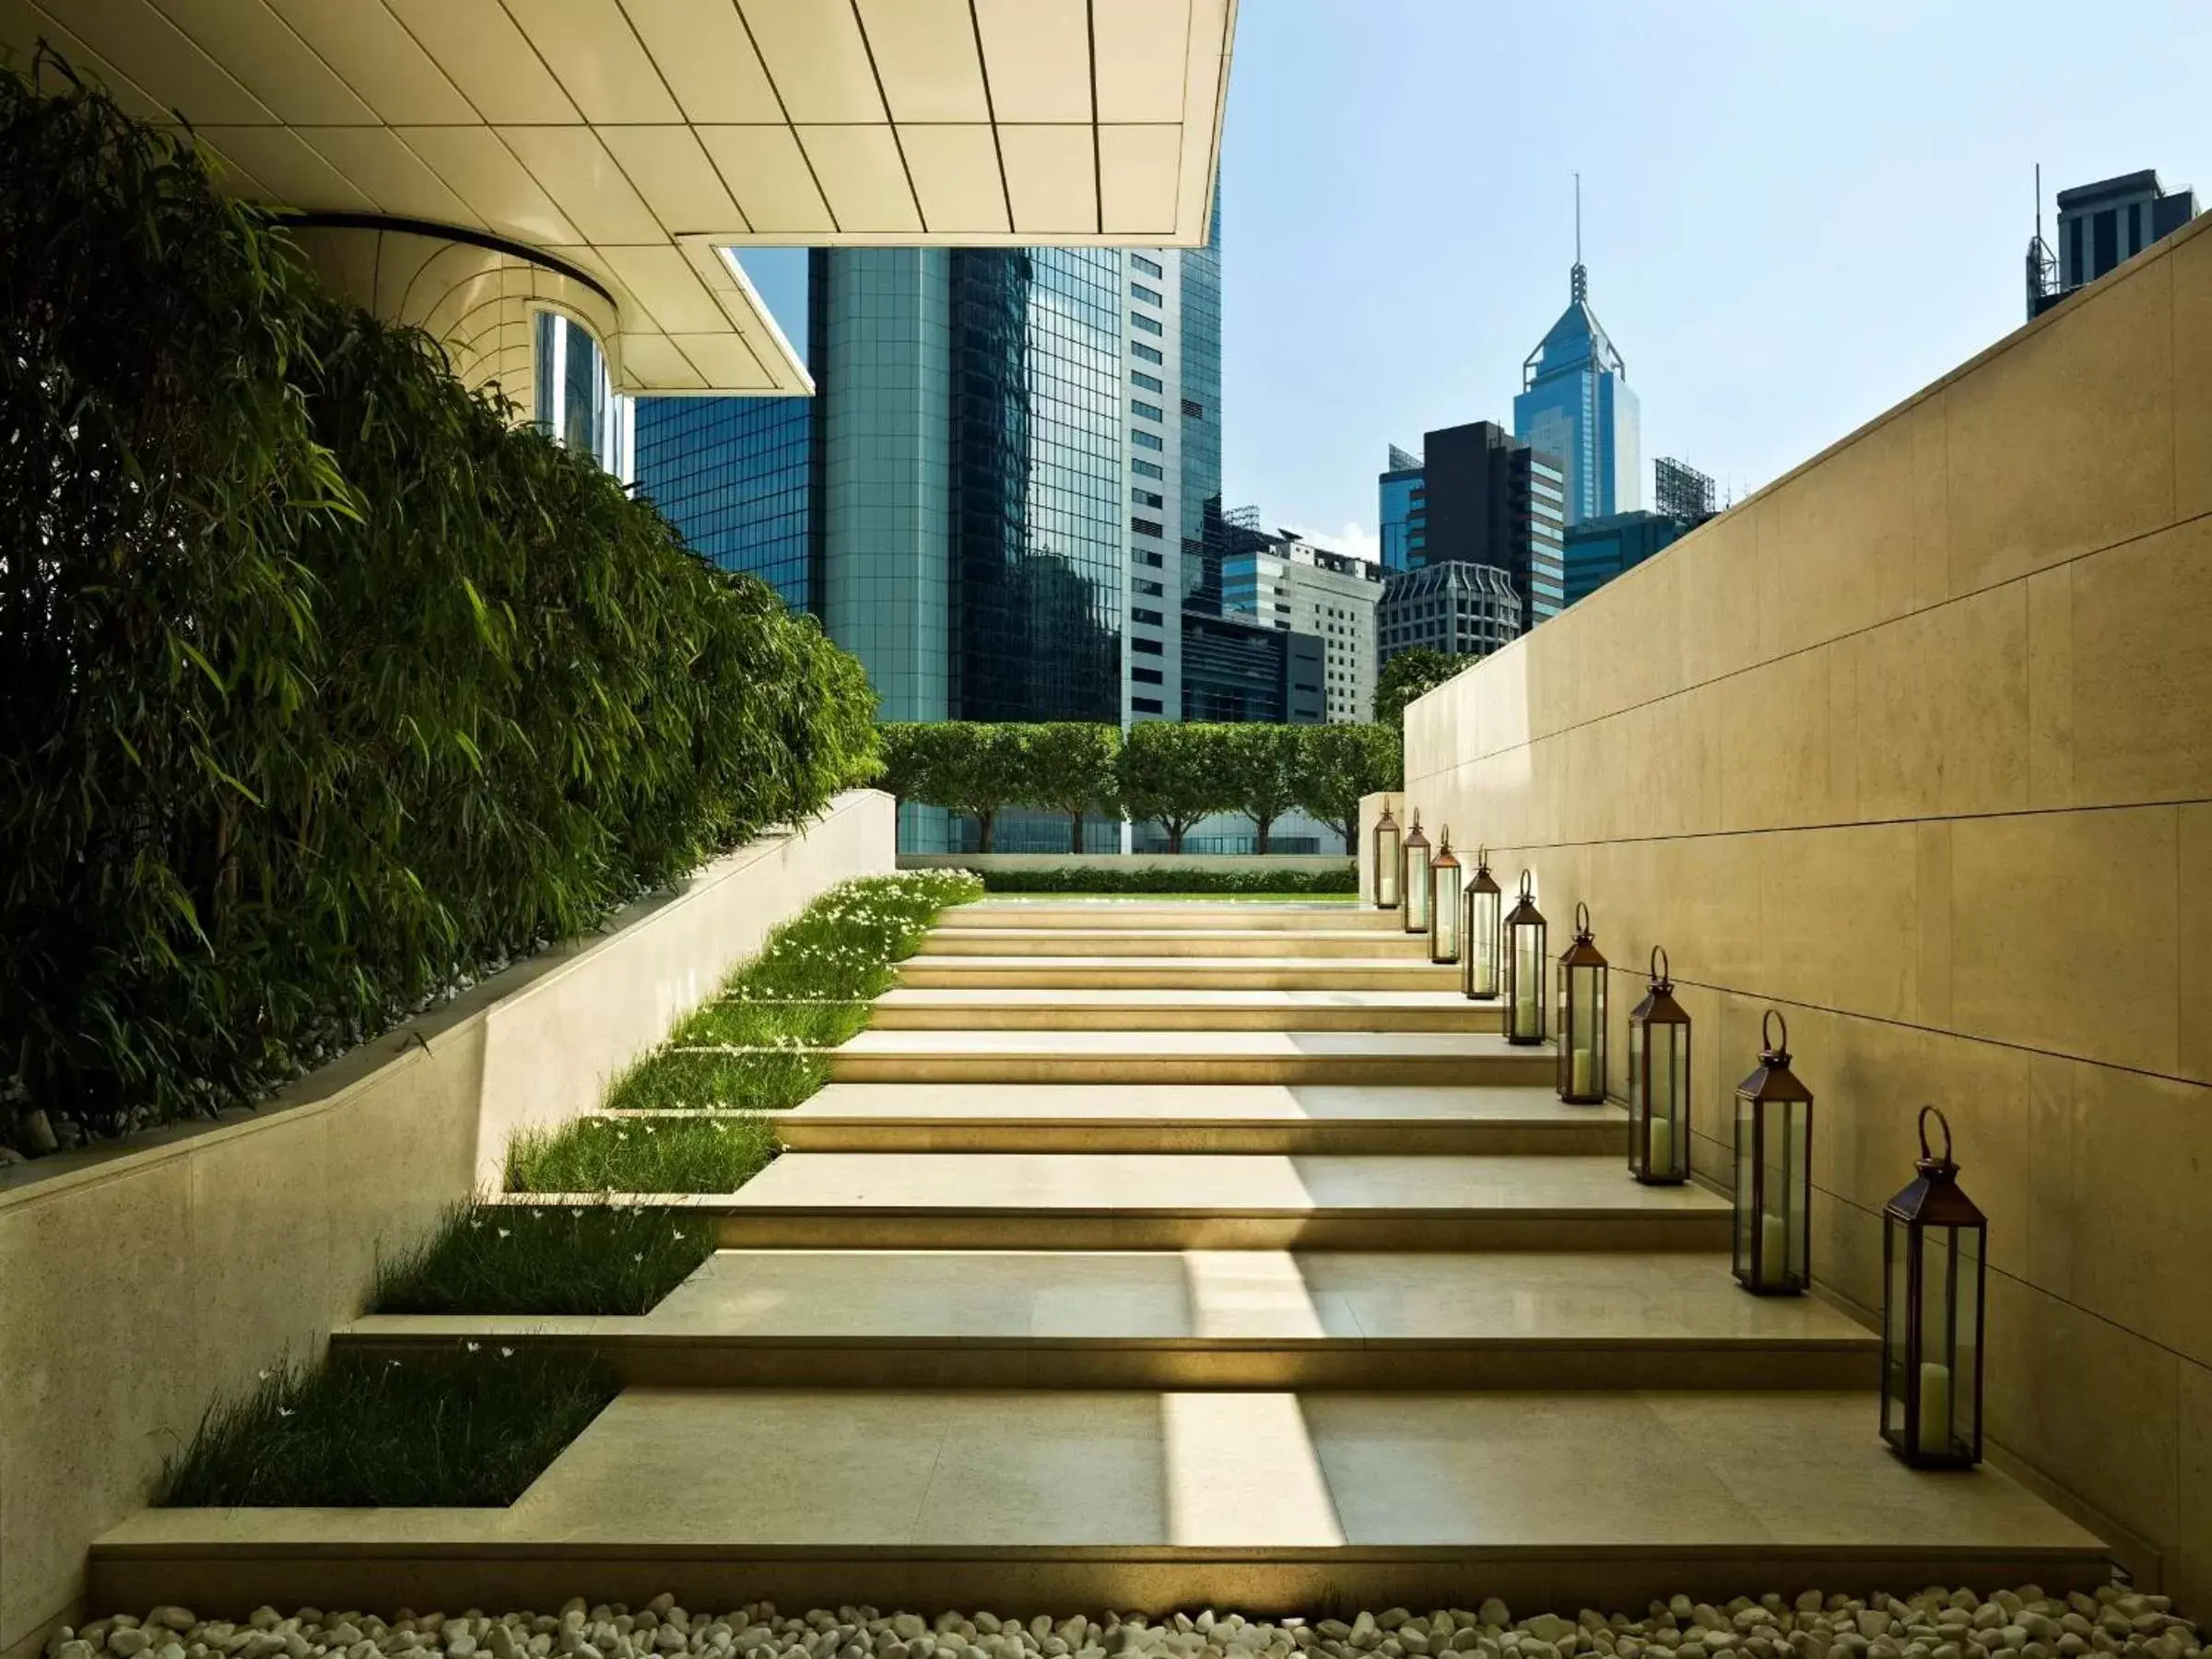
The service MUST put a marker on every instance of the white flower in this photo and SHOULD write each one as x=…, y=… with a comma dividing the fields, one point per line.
x=472, y=1346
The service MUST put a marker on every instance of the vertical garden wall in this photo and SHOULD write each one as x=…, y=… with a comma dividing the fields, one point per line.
x=324, y=683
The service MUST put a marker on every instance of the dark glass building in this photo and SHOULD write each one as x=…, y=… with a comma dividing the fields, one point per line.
x=1599, y=549
x=738, y=475
x=1486, y=497
x=1239, y=668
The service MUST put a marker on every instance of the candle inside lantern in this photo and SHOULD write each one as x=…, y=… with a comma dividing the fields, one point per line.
x=1524, y=1016
x=1935, y=1407
x=1773, y=1249
x=1661, y=1157
x=1580, y=1073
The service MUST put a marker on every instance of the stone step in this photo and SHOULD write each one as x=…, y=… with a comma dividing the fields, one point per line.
x=1243, y=916
x=1194, y=1319
x=1149, y=1056
x=1026, y=1501
x=1209, y=1117
x=935, y=971
x=1005, y=1009
x=1229, y=1201
x=1085, y=942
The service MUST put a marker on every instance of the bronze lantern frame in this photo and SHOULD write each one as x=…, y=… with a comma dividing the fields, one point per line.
x=1583, y=1017
x=1479, y=930
x=1444, y=941
x=1524, y=970
x=1413, y=862
x=1388, y=895
x=1773, y=1171
x=1934, y=1266
x=1659, y=1082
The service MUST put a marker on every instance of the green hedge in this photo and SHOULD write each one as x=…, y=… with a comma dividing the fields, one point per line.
x=1173, y=773
x=329, y=684
x=1183, y=879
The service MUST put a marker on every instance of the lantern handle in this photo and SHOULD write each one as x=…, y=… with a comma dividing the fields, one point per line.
x=1482, y=856
x=1581, y=919
x=1775, y=1016
x=1527, y=877
x=1417, y=817
x=1925, y=1155
x=1659, y=966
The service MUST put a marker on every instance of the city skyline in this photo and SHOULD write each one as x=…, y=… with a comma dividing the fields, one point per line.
x=1769, y=252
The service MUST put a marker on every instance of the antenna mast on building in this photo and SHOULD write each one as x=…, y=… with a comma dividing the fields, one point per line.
x=1580, y=280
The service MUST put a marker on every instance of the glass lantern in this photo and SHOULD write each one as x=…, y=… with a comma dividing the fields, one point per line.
x=1659, y=1083
x=1583, y=1017
x=1413, y=880
x=1479, y=928
x=1444, y=903
x=1773, y=1171
x=1934, y=1242
x=1525, y=960
x=1386, y=862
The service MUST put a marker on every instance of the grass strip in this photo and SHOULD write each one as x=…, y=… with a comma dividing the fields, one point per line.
x=1181, y=880
x=471, y=1427
x=635, y=1155
x=619, y=1259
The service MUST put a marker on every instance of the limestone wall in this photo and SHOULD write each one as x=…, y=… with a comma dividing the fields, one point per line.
x=1917, y=745
x=137, y=1284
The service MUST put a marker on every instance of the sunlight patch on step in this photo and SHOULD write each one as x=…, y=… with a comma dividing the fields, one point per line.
x=1241, y=1468
x=1248, y=1292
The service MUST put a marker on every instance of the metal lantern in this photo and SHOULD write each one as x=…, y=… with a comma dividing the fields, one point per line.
x=1386, y=862
x=1479, y=928
x=1525, y=961
x=1934, y=1242
x=1773, y=1171
x=1583, y=1017
x=1444, y=903
x=1659, y=1083
x=1413, y=879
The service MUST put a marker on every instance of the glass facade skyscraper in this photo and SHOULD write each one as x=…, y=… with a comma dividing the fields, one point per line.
x=1576, y=405
x=737, y=475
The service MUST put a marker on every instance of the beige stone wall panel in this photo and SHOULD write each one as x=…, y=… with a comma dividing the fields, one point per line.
x=1923, y=753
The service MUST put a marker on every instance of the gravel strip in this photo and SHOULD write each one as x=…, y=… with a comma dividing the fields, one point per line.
x=1933, y=1624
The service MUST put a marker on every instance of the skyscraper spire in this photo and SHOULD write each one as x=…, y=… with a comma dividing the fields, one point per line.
x=1578, y=280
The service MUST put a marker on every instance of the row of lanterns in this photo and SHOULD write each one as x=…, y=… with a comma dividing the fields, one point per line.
x=1934, y=1236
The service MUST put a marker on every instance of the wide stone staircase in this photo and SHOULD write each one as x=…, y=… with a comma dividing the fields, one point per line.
x=1142, y=1254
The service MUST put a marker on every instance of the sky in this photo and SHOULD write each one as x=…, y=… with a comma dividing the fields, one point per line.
x=1795, y=213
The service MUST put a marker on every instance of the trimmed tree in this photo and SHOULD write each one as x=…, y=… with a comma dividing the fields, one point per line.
x=903, y=746
x=1263, y=772
x=1067, y=766
x=1175, y=774
x=1406, y=675
x=972, y=769
x=1337, y=764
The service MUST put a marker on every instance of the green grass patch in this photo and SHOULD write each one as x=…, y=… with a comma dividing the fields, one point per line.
x=809, y=990
x=637, y=1155
x=472, y=1428
x=1189, y=879
x=494, y=1258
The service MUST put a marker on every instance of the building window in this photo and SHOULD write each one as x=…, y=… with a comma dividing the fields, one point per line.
x=1149, y=324
x=1151, y=590
x=1151, y=618
x=1147, y=705
x=1144, y=439
x=1148, y=676
x=1144, y=527
x=1150, y=382
x=1194, y=408
x=576, y=402
x=1145, y=354
x=1148, y=647
x=1150, y=411
x=1149, y=295
x=1145, y=555
x=1150, y=268
x=1148, y=497
x=1144, y=469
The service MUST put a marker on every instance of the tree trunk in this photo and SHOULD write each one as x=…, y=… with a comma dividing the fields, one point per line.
x=1174, y=830
x=983, y=823
x=1264, y=825
x=1075, y=832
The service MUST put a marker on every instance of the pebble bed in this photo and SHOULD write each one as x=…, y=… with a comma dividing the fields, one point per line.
x=1933, y=1624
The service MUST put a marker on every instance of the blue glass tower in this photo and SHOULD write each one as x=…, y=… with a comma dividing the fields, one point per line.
x=1575, y=403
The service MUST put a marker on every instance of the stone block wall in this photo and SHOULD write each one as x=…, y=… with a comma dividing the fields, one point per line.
x=1916, y=744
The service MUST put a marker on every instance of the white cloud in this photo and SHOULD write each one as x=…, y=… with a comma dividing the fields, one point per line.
x=1354, y=538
